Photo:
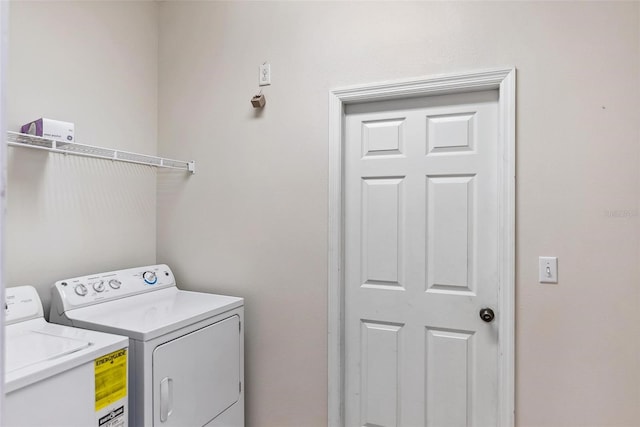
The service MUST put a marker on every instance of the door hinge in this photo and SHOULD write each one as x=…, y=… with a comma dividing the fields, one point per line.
x=239, y=387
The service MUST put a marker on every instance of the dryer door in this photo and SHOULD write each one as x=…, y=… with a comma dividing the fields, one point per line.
x=197, y=376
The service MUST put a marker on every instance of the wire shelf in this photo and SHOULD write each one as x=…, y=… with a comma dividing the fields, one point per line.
x=17, y=139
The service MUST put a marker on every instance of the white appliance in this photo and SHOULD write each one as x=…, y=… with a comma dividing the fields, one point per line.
x=60, y=376
x=186, y=348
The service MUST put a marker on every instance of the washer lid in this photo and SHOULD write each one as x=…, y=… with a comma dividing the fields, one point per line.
x=147, y=316
x=36, y=350
x=29, y=347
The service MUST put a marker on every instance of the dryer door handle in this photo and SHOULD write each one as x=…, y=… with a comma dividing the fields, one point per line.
x=166, y=398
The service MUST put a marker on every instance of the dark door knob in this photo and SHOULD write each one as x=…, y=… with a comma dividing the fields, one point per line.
x=487, y=314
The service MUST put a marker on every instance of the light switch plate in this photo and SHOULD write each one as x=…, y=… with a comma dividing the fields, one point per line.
x=548, y=269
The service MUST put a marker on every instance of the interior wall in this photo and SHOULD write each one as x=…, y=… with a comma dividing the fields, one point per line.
x=94, y=64
x=253, y=220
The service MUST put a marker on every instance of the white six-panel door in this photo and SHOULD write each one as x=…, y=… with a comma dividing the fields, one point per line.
x=420, y=261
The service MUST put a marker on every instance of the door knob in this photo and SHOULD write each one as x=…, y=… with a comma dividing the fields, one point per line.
x=487, y=314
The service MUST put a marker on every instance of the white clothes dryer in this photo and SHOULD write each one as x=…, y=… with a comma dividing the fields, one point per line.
x=60, y=376
x=186, y=348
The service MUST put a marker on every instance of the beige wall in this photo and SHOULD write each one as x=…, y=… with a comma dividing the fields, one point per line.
x=253, y=220
x=95, y=64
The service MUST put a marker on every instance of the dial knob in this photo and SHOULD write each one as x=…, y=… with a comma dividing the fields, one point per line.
x=115, y=283
x=99, y=286
x=150, y=277
x=81, y=289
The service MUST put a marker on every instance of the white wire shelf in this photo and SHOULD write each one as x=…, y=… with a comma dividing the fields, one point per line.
x=17, y=139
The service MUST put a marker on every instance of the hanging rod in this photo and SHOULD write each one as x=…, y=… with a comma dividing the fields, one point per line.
x=17, y=139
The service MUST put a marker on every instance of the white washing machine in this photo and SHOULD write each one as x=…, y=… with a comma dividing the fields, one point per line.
x=186, y=359
x=60, y=376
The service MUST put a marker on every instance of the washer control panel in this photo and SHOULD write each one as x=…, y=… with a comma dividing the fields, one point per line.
x=96, y=288
x=21, y=303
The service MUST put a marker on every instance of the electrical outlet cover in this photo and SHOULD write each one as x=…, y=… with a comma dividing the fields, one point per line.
x=264, y=79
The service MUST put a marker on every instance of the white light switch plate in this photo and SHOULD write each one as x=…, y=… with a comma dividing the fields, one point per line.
x=548, y=269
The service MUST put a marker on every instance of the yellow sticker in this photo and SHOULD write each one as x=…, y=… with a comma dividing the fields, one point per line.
x=111, y=378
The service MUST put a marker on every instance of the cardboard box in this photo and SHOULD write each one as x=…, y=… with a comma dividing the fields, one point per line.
x=51, y=129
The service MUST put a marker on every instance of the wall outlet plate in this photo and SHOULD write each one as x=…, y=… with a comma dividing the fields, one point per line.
x=264, y=79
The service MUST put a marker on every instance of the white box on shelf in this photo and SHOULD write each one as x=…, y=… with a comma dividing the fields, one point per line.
x=52, y=129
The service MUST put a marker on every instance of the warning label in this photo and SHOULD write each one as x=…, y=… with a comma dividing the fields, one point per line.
x=113, y=418
x=111, y=378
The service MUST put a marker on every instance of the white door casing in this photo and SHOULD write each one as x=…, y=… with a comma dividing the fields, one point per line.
x=428, y=221
x=4, y=46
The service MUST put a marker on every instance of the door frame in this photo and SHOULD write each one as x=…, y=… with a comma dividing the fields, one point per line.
x=4, y=47
x=503, y=80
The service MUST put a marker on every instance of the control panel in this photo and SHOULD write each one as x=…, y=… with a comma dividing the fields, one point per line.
x=21, y=303
x=97, y=288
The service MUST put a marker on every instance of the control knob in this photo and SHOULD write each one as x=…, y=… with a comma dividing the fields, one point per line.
x=99, y=286
x=150, y=277
x=115, y=283
x=81, y=289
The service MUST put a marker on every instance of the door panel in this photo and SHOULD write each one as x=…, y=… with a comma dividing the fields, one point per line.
x=382, y=231
x=197, y=376
x=421, y=259
x=382, y=137
x=380, y=350
x=448, y=133
x=450, y=232
x=449, y=357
